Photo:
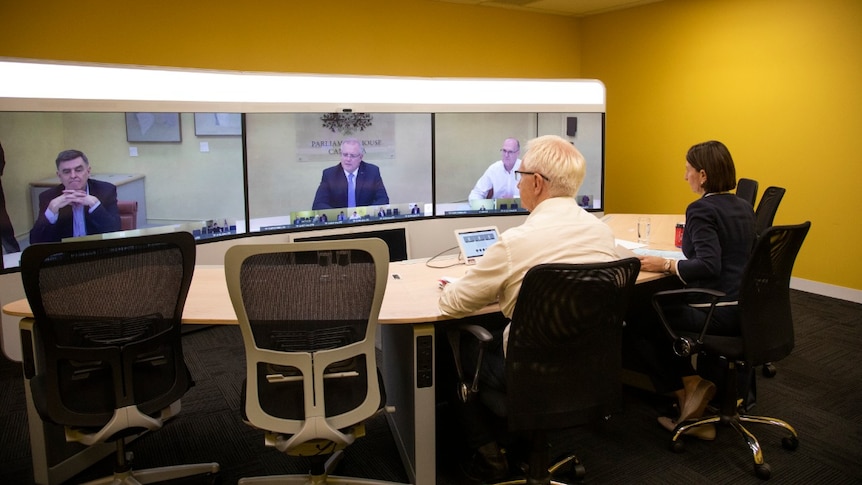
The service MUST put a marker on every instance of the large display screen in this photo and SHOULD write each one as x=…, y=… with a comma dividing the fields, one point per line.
x=182, y=171
x=300, y=164
x=218, y=175
x=472, y=149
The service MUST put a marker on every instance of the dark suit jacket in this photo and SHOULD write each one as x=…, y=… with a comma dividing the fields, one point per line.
x=332, y=192
x=106, y=217
x=717, y=242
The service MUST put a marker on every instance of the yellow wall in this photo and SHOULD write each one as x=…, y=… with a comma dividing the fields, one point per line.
x=779, y=82
x=407, y=37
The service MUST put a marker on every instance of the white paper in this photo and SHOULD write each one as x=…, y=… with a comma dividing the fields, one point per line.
x=629, y=244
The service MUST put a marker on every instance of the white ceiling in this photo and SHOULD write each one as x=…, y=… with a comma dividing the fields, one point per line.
x=570, y=8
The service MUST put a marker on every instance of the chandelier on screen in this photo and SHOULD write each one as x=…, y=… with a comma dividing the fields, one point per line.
x=346, y=123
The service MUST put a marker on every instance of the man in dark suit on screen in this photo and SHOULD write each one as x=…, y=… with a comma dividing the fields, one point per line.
x=78, y=206
x=351, y=183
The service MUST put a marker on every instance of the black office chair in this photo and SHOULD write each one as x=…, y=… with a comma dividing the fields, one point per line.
x=765, y=214
x=308, y=315
x=768, y=207
x=106, y=359
x=767, y=333
x=747, y=190
x=563, y=359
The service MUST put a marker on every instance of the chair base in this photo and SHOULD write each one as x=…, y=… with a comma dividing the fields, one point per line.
x=155, y=475
x=568, y=464
x=312, y=480
x=735, y=421
x=125, y=474
x=319, y=478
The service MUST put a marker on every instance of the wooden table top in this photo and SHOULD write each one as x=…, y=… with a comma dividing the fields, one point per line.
x=411, y=292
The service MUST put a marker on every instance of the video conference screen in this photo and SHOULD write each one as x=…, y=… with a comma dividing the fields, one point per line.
x=195, y=171
x=472, y=150
x=299, y=166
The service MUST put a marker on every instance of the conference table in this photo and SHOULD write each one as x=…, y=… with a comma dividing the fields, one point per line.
x=408, y=319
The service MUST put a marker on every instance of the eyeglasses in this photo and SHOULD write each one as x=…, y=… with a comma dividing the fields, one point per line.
x=518, y=174
x=508, y=152
x=351, y=155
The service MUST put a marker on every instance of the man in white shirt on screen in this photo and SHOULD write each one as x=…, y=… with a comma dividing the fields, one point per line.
x=556, y=231
x=498, y=181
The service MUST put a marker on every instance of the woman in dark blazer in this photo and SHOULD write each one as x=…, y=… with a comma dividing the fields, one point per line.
x=717, y=241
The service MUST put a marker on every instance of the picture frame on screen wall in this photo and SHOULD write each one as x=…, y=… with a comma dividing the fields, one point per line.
x=218, y=124
x=153, y=127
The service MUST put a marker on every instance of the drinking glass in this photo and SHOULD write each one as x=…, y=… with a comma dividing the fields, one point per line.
x=643, y=230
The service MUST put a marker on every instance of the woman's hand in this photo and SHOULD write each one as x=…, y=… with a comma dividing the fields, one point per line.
x=653, y=264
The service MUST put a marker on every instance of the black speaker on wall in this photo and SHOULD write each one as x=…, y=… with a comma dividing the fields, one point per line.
x=571, y=126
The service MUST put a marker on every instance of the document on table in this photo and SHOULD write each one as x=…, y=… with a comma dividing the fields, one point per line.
x=628, y=249
x=659, y=253
x=625, y=249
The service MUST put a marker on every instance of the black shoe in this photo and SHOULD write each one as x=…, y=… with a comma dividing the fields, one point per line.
x=488, y=464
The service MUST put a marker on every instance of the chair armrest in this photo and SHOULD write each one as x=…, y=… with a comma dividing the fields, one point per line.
x=481, y=333
x=684, y=346
x=466, y=391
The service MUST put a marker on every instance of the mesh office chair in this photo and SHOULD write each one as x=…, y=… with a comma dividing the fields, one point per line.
x=308, y=316
x=767, y=333
x=768, y=207
x=747, y=190
x=563, y=360
x=106, y=360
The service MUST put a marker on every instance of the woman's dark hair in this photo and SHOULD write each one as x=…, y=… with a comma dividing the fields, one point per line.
x=713, y=158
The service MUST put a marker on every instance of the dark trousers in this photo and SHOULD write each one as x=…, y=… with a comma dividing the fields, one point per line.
x=481, y=420
x=647, y=348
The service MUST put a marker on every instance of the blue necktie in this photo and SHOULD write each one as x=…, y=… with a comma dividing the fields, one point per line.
x=351, y=191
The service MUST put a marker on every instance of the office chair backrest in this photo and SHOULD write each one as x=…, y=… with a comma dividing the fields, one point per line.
x=107, y=319
x=308, y=314
x=768, y=207
x=767, y=324
x=563, y=361
x=747, y=190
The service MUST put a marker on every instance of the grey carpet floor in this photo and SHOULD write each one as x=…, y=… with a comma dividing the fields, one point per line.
x=818, y=389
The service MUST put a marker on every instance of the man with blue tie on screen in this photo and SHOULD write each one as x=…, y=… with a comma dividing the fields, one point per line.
x=352, y=183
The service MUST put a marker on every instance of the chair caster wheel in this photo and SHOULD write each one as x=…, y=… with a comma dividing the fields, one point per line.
x=579, y=472
x=567, y=466
x=677, y=446
x=790, y=443
x=762, y=471
x=769, y=370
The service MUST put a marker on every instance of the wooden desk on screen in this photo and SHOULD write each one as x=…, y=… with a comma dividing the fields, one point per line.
x=408, y=317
